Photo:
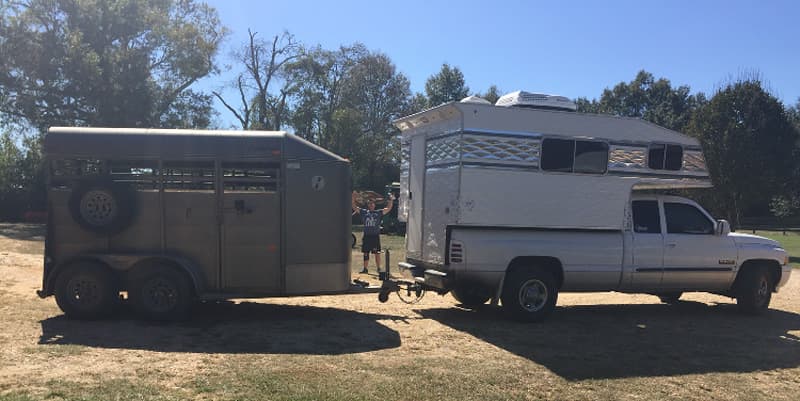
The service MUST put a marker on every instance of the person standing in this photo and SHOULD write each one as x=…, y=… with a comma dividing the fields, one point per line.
x=371, y=241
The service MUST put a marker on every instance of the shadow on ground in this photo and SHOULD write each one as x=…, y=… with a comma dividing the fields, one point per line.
x=22, y=232
x=617, y=341
x=226, y=327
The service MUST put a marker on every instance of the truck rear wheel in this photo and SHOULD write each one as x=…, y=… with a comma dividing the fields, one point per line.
x=755, y=291
x=161, y=293
x=529, y=295
x=86, y=291
x=470, y=296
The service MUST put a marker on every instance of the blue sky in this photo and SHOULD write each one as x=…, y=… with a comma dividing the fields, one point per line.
x=574, y=48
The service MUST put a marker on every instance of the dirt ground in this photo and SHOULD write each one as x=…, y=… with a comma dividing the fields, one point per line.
x=595, y=346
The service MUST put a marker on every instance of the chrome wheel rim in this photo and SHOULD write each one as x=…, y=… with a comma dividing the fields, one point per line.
x=98, y=207
x=533, y=295
x=763, y=290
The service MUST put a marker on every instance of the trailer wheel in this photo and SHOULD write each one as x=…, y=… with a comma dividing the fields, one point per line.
x=670, y=298
x=470, y=296
x=160, y=293
x=86, y=291
x=755, y=291
x=529, y=295
x=102, y=206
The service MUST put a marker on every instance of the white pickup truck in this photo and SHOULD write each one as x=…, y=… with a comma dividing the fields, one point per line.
x=523, y=199
x=672, y=246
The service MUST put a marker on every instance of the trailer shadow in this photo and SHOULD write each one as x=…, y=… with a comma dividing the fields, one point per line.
x=619, y=341
x=226, y=327
x=22, y=231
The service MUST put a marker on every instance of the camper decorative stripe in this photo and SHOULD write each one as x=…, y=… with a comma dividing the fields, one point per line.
x=510, y=150
x=694, y=161
x=442, y=150
x=627, y=157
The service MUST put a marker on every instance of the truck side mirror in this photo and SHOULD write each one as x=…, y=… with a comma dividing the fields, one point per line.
x=722, y=228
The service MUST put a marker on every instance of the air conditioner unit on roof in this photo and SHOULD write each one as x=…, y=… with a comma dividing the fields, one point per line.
x=536, y=100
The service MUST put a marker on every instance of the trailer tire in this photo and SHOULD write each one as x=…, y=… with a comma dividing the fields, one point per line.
x=86, y=291
x=529, y=295
x=670, y=298
x=470, y=295
x=102, y=206
x=754, y=292
x=160, y=293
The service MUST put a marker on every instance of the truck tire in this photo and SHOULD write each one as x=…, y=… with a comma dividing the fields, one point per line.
x=470, y=296
x=86, y=291
x=670, y=298
x=102, y=206
x=160, y=293
x=529, y=295
x=754, y=291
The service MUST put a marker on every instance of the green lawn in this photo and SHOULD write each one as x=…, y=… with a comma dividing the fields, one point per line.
x=790, y=242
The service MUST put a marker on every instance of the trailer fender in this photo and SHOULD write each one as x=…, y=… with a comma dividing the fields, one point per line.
x=124, y=263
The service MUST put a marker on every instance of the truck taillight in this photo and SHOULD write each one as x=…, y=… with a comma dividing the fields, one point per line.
x=456, y=252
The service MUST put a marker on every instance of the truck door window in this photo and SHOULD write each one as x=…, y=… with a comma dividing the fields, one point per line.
x=646, y=218
x=686, y=219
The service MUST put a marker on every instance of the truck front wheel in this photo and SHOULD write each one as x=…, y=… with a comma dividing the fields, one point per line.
x=529, y=295
x=755, y=291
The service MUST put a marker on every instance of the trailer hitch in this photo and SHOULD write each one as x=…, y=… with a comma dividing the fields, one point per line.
x=408, y=291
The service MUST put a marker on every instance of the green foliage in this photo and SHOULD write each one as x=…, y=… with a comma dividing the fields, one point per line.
x=446, y=86
x=783, y=206
x=345, y=100
x=21, y=176
x=491, y=94
x=647, y=98
x=116, y=63
x=749, y=145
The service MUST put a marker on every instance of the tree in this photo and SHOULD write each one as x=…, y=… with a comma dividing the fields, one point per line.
x=116, y=63
x=446, y=86
x=647, y=98
x=491, y=95
x=748, y=143
x=265, y=64
x=346, y=101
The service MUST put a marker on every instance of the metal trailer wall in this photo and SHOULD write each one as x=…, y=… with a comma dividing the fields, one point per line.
x=294, y=240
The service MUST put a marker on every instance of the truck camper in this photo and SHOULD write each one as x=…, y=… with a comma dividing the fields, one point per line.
x=518, y=201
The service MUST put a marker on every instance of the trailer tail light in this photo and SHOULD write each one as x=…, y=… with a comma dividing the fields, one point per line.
x=456, y=252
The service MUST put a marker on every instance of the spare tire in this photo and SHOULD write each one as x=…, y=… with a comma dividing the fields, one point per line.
x=102, y=206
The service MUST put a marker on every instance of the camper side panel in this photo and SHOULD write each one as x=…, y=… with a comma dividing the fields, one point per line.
x=519, y=198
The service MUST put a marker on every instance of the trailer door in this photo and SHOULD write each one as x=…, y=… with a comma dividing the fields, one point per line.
x=251, y=227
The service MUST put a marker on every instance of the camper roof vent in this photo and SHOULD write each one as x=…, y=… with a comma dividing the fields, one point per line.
x=536, y=101
x=475, y=99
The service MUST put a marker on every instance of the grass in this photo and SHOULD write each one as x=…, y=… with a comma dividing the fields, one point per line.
x=790, y=241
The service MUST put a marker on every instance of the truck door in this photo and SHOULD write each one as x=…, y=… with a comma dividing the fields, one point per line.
x=251, y=242
x=648, y=245
x=695, y=258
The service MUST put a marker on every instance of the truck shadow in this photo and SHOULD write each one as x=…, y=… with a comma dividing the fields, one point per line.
x=618, y=341
x=225, y=327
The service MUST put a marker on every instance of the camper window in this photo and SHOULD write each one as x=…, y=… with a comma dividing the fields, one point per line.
x=567, y=156
x=665, y=157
